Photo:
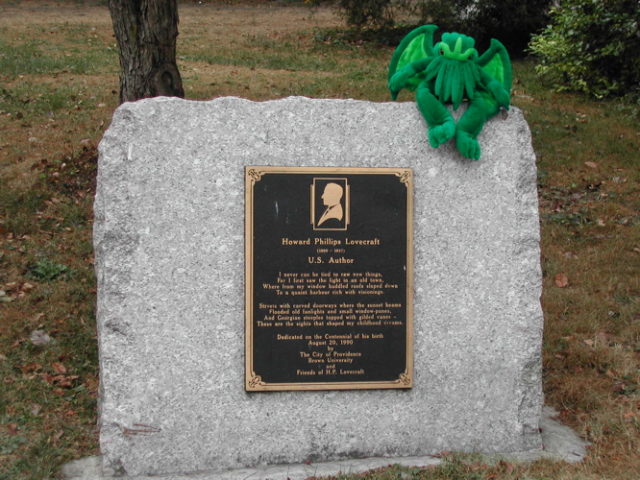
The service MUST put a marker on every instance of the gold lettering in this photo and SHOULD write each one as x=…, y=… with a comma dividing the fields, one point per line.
x=341, y=260
x=369, y=241
x=327, y=241
x=286, y=241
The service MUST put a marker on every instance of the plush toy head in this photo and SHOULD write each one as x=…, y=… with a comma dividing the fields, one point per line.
x=455, y=46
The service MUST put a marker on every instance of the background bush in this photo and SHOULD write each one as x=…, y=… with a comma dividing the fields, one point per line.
x=361, y=13
x=510, y=21
x=592, y=46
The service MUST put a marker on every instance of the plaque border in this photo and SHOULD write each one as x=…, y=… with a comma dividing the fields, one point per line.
x=253, y=382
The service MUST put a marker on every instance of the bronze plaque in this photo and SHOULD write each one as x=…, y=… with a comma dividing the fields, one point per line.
x=328, y=278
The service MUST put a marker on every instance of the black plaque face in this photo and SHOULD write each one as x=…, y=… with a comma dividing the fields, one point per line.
x=328, y=278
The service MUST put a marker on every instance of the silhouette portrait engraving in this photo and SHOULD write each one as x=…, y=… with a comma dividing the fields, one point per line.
x=331, y=198
x=329, y=203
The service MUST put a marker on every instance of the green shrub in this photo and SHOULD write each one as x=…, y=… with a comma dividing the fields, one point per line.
x=592, y=47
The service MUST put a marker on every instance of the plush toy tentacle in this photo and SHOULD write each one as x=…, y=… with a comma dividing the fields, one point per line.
x=448, y=81
x=469, y=82
x=456, y=95
x=442, y=127
x=433, y=68
x=440, y=80
x=477, y=75
x=457, y=88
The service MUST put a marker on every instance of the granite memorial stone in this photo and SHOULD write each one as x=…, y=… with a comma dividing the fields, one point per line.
x=170, y=261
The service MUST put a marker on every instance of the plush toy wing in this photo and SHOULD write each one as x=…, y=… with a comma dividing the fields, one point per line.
x=496, y=62
x=416, y=45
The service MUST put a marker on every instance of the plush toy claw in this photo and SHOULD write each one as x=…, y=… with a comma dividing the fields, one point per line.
x=450, y=72
x=400, y=80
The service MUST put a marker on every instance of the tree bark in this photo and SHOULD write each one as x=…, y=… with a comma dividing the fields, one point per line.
x=146, y=32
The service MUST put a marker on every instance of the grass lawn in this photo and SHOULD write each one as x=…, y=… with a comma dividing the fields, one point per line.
x=58, y=90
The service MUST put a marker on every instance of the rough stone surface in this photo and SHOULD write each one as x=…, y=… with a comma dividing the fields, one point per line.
x=559, y=443
x=169, y=218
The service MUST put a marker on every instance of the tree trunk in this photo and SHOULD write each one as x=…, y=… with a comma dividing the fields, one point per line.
x=146, y=32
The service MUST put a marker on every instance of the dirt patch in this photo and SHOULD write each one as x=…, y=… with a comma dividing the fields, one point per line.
x=221, y=21
x=26, y=14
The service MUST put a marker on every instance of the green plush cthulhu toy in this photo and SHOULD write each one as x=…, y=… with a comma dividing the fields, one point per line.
x=449, y=72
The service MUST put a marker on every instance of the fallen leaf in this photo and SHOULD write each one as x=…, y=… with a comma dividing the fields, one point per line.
x=591, y=164
x=64, y=382
x=561, y=280
x=441, y=454
x=58, y=367
x=30, y=367
x=13, y=428
x=507, y=467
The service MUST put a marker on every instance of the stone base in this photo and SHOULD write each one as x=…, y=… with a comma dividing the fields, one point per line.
x=560, y=443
